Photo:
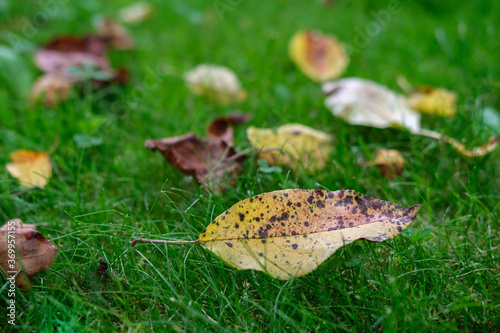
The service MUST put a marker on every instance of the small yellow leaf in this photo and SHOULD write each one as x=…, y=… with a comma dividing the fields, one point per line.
x=320, y=57
x=434, y=101
x=31, y=168
x=217, y=83
x=293, y=144
x=291, y=232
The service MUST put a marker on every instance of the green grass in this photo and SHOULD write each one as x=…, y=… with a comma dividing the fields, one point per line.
x=101, y=197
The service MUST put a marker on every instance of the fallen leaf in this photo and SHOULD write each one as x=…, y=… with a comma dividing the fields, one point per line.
x=217, y=83
x=320, y=57
x=118, y=38
x=136, y=12
x=293, y=144
x=390, y=162
x=221, y=128
x=51, y=89
x=31, y=168
x=66, y=51
x=363, y=102
x=24, y=248
x=434, y=101
x=212, y=162
x=291, y=232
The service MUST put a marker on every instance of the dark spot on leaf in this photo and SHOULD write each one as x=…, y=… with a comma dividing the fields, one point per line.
x=306, y=224
x=283, y=224
x=257, y=219
x=330, y=195
x=262, y=233
x=295, y=246
x=289, y=203
x=229, y=244
x=273, y=218
x=261, y=254
x=320, y=204
x=310, y=199
x=285, y=216
x=294, y=233
x=400, y=229
x=242, y=217
x=263, y=241
x=236, y=225
x=268, y=226
x=298, y=204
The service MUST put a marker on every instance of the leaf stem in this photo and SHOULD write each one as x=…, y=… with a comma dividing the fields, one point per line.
x=160, y=241
x=475, y=152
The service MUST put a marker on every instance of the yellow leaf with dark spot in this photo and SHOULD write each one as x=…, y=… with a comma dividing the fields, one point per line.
x=320, y=57
x=289, y=233
x=294, y=144
x=31, y=168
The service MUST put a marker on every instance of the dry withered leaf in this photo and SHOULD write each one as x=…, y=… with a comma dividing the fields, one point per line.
x=389, y=161
x=31, y=168
x=221, y=128
x=291, y=232
x=321, y=57
x=364, y=102
x=111, y=31
x=51, y=89
x=293, y=145
x=24, y=248
x=212, y=162
x=218, y=84
x=64, y=52
x=436, y=101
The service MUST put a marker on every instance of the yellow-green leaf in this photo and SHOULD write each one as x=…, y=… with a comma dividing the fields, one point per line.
x=289, y=233
x=434, y=101
x=292, y=144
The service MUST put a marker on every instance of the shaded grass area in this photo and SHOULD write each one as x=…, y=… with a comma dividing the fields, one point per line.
x=101, y=197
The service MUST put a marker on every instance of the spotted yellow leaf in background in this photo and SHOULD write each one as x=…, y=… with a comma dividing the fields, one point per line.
x=320, y=57
x=289, y=233
x=31, y=168
x=294, y=144
x=434, y=101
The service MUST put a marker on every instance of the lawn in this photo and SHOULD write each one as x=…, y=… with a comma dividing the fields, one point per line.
x=103, y=195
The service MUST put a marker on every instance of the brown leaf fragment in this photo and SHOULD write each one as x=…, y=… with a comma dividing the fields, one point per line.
x=102, y=269
x=210, y=161
x=23, y=248
x=115, y=34
x=390, y=162
x=220, y=128
x=64, y=52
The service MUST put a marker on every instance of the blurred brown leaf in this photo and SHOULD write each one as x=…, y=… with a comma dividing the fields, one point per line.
x=24, y=248
x=221, y=129
x=210, y=161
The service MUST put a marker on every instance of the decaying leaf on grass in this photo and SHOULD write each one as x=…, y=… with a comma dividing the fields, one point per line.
x=31, y=168
x=293, y=144
x=363, y=102
x=291, y=232
x=436, y=101
x=51, y=89
x=65, y=52
x=115, y=34
x=389, y=161
x=212, y=162
x=216, y=83
x=221, y=128
x=320, y=57
x=23, y=248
